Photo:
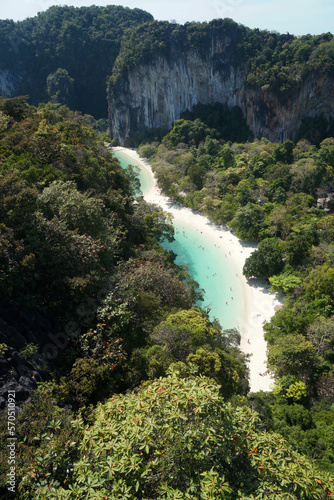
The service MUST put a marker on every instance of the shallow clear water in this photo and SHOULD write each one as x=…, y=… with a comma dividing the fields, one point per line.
x=207, y=264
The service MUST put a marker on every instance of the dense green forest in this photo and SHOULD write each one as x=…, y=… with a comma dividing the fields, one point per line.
x=282, y=196
x=279, y=62
x=66, y=53
x=71, y=54
x=125, y=388
x=146, y=397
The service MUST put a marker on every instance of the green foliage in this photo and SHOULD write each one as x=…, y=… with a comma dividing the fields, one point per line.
x=291, y=388
x=187, y=131
x=147, y=150
x=286, y=321
x=285, y=282
x=222, y=366
x=68, y=52
x=183, y=332
x=319, y=282
x=3, y=348
x=29, y=350
x=177, y=437
x=247, y=221
x=191, y=342
x=229, y=123
x=281, y=62
x=57, y=239
x=266, y=261
x=79, y=211
x=15, y=107
x=60, y=87
x=325, y=228
x=45, y=450
x=292, y=354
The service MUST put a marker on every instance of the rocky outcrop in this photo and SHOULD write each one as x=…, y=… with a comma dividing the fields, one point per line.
x=153, y=95
x=10, y=82
x=278, y=120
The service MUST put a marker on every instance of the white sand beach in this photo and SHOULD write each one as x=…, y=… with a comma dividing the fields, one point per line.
x=259, y=302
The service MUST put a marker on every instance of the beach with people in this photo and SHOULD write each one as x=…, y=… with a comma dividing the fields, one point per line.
x=238, y=302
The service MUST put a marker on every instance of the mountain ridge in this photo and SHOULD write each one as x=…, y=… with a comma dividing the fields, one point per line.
x=121, y=64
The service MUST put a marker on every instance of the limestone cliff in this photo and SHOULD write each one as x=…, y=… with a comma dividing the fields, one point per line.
x=153, y=94
x=9, y=82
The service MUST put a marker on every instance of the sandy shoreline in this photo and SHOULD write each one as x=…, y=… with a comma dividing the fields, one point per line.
x=259, y=302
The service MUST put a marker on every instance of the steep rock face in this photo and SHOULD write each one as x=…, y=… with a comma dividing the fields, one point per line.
x=9, y=83
x=277, y=120
x=153, y=95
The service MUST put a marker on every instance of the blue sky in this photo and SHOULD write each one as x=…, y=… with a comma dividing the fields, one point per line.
x=294, y=16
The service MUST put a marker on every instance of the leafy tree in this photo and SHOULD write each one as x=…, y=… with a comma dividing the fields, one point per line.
x=285, y=282
x=299, y=243
x=183, y=332
x=176, y=436
x=15, y=107
x=325, y=228
x=292, y=354
x=266, y=261
x=291, y=389
x=46, y=447
x=320, y=282
x=60, y=87
x=245, y=191
x=283, y=152
x=321, y=333
x=196, y=175
x=186, y=131
x=224, y=367
x=226, y=211
x=79, y=211
x=247, y=221
x=286, y=322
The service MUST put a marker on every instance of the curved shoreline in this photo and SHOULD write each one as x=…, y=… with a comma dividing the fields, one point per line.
x=259, y=302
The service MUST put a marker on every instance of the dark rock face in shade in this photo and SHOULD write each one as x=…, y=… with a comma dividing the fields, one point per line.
x=152, y=95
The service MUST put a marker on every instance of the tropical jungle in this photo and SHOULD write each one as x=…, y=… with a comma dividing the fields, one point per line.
x=125, y=389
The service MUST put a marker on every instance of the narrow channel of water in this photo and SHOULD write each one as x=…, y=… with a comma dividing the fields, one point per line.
x=206, y=262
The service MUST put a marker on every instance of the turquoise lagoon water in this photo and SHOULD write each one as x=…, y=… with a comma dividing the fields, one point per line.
x=206, y=263
x=125, y=161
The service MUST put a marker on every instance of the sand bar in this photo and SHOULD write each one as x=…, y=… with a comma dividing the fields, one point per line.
x=260, y=303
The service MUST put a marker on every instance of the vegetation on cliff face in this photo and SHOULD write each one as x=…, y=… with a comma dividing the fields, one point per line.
x=70, y=53
x=280, y=195
x=275, y=62
x=83, y=42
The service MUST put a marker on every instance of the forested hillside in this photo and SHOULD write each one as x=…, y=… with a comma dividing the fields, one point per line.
x=93, y=308
x=71, y=55
x=280, y=195
x=124, y=387
x=91, y=305
x=278, y=61
x=66, y=53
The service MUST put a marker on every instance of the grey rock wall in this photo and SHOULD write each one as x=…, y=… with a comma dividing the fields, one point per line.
x=153, y=95
x=9, y=82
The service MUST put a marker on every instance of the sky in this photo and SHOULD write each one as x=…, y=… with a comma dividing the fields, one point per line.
x=297, y=17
